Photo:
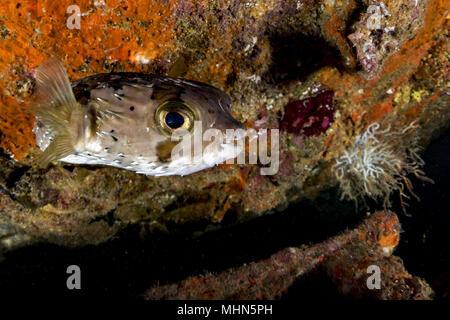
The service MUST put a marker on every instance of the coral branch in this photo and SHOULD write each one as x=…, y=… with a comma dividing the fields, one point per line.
x=370, y=243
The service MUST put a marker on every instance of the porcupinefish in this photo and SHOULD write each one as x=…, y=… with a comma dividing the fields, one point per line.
x=128, y=120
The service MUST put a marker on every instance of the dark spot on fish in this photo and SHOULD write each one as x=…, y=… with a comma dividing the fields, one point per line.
x=164, y=150
x=115, y=139
x=106, y=149
x=112, y=130
x=132, y=108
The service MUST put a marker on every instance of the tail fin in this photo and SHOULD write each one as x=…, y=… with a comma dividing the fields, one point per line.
x=55, y=103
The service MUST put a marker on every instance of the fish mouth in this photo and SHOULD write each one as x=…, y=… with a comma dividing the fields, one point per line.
x=238, y=124
x=226, y=121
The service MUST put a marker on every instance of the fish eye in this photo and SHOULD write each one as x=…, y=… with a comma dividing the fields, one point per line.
x=174, y=116
x=174, y=119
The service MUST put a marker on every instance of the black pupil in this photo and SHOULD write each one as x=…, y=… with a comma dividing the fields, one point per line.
x=174, y=120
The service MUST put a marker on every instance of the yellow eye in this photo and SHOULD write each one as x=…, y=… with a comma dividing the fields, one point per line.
x=174, y=116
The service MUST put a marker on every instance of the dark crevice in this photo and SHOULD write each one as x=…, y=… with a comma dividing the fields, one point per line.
x=69, y=168
x=108, y=217
x=317, y=285
x=354, y=17
x=15, y=176
x=5, y=191
x=296, y=56
x=3, y=153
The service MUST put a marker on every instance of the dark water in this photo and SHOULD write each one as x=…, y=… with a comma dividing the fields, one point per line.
x=424, y=244
x=127, y=265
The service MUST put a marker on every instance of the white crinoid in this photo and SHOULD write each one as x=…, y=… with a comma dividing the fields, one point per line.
x=378, y=164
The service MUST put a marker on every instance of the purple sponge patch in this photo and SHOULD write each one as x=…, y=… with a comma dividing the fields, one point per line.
x=311, y=116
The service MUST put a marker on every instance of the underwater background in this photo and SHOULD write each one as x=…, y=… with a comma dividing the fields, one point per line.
x=358, y=91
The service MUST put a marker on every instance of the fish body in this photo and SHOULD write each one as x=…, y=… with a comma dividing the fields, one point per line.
x=128, y=120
